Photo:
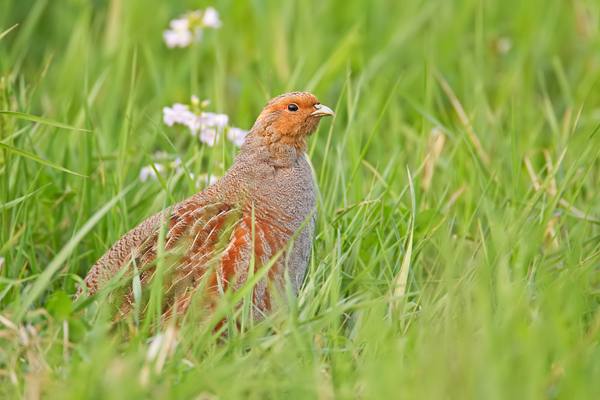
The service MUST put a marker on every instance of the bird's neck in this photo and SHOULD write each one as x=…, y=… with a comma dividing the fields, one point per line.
x=278, y=150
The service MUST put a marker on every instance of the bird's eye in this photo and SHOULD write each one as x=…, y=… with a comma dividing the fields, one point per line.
x=293, y=107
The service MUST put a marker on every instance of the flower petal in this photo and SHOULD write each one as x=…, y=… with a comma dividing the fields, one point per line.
x=210, y=19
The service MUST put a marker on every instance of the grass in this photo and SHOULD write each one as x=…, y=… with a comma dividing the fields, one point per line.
x=458, y=239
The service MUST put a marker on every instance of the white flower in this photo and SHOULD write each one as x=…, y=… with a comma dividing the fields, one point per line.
x=209, y=136
x=208, y=123
x=181, y=24
x=161, y=154
x=180, y=108
x=188, y=28
x=176, y=165
x=174, y=115
x=2, y=259
x=148, y=172
x=179, y=35
x=206, y=180
x=207, y=119
x=221, y=121
x=177, y=39
x=144, y=173
x=192, y=121
x=169, y=116
x=210, y=19
x=212, y=120
x=237, y=136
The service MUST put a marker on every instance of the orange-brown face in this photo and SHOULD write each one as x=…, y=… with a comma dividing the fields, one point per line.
x=293, y=115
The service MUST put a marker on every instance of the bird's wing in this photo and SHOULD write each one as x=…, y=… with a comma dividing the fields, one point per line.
x=203, y=235
x=228, y=241
x=193, y=230
x=120, y=253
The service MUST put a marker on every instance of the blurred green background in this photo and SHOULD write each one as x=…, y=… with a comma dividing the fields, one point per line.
x=478, y=279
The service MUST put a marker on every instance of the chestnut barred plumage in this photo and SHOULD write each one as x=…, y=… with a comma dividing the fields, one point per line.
x=211, y=232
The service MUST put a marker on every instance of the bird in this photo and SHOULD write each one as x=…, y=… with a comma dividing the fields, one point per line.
x=265, y=205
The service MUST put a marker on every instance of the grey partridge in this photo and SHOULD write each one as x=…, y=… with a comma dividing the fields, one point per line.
x=209, y=236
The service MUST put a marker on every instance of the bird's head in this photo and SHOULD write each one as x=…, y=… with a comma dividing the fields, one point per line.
x=289, y=118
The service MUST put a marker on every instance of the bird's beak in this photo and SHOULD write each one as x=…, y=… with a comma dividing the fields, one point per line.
x=322, y=111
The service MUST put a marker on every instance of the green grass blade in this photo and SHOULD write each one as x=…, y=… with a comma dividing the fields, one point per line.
x=40, y=120
x=38, y=159
x=6, y=32
x=401, y=282
x=57, y=262
x=11, y=204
